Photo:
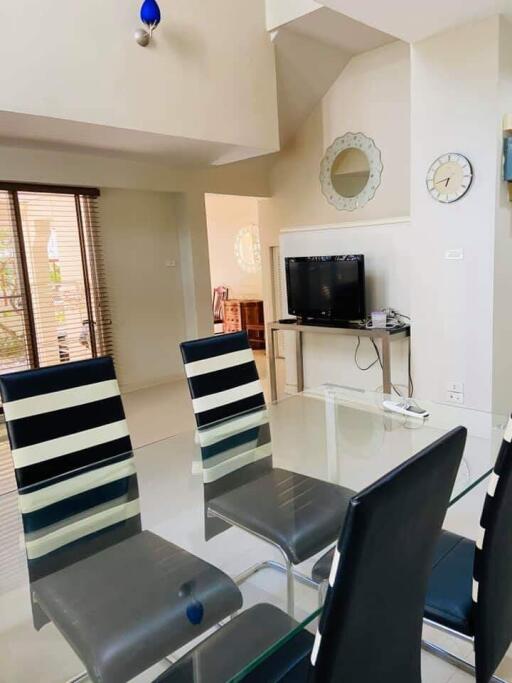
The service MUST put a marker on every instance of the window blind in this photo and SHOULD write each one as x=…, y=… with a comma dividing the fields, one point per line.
x=53, y=301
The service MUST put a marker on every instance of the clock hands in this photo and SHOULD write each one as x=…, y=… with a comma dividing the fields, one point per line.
x=449, y=177
x=444, y=180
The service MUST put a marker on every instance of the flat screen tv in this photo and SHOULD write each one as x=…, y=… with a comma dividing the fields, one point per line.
x=327, y=289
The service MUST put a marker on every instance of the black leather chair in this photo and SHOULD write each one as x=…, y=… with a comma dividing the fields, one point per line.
x=299, y=515
x=470, y=589
x=122, y=597
x=370, y=627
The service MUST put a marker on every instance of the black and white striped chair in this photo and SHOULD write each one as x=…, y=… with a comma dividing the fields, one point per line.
x=232, y=453
x=470, y=590
x=222, y=377
x=371, y=624
x=299, y=515
x=122, y=597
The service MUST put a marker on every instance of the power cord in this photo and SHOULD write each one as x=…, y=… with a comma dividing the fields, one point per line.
x=357, y=362
x=395, y=321
x=379, y=359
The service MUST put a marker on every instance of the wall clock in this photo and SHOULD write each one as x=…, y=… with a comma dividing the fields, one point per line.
x=449, y=177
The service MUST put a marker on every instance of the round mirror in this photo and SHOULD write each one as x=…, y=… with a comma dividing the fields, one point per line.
x=247, y=249
x=350, y=171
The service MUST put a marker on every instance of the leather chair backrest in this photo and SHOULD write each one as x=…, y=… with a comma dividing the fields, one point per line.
x=370, y=628
x=72, y=455
x=492, y=575
x=233, y=453
x=222, y=377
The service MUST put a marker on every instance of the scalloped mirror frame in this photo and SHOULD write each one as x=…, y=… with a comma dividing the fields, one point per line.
x=366, y=145
x=248, y=249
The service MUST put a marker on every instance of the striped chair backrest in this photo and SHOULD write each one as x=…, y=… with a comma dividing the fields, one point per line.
x=72, y=455
x=370, y=627
x=222, y=377
x=492, y=591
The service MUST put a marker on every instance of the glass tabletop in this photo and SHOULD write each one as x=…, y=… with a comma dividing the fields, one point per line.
x=179, y=532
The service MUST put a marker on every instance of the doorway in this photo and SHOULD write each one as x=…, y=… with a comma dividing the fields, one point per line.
x=236, y=269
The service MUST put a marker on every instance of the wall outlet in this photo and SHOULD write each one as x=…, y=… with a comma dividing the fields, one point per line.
x=454, y=254
x=455, y=397
x=458, y=387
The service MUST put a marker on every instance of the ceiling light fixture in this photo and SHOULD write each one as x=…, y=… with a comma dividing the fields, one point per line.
x=150, y=16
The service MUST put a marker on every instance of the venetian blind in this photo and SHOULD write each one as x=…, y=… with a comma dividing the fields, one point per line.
x=53, y=300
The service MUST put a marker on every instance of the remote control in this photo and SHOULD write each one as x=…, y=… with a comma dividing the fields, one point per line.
x=405, y=408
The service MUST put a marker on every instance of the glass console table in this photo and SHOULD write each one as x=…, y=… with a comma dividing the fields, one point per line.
x=331, y=433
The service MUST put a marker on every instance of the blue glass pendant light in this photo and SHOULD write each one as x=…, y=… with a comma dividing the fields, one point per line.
x=150, y=16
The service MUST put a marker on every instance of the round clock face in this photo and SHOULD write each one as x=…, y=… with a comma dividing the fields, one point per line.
x=449, y=177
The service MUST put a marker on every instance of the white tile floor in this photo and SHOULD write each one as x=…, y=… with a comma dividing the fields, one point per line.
x=154, y=414
x=164, y=410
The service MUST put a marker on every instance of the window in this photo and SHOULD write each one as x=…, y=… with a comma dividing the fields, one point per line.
x=53, y=306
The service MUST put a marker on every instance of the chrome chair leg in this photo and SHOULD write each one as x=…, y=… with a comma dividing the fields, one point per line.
x=81, y=677
x=454, y=660
x=449, y=657
x=277, y=566
x=299, y=576
x=291, y=574
x=290, y=589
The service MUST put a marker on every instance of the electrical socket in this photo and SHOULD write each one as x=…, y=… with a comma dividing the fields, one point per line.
x=454, y=254
x=455, y=397
x=458, y=387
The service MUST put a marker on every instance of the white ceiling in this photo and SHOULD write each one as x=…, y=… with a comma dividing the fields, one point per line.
x=412, y=20
x=311, y=52
x=338, y=31
x=43, y=132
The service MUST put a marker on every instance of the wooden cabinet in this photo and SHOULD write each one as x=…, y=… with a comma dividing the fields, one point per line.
x=246, y=314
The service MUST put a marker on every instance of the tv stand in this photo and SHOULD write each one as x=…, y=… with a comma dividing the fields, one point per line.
x=386, y=336
x=328, y=323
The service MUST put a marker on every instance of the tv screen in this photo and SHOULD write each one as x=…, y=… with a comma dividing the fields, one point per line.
x=326, y=288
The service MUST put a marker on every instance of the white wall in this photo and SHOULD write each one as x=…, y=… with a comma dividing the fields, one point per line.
x=279, y=12
x=210, y=62
x=225, y=215
x=387, y=266
x=461, y=333
x=371, y=95
x=140, y=239
x=502, y=356
x=147, y=207
x=43, y=165
x=454, y=108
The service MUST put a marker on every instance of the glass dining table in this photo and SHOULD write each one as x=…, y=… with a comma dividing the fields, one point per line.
x=331, y=433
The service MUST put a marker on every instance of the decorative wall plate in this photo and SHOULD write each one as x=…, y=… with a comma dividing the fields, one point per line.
x=248, y=249
x=350, y=171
